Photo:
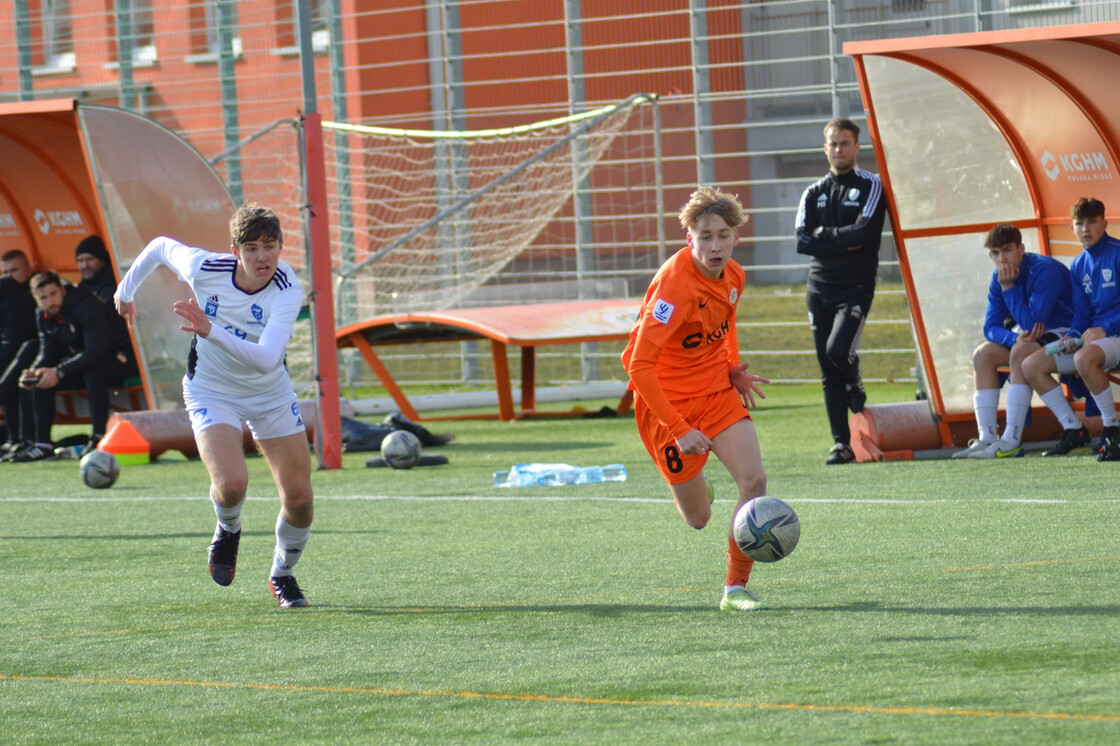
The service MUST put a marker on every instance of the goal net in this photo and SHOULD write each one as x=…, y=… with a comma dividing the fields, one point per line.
x=425, y=218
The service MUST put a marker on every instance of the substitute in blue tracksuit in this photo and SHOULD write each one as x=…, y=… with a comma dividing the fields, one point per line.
x=1030, y=304
x=840, y=224
x=1096, y=320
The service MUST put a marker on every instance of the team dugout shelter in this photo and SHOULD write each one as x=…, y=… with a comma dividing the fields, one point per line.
x=69, y=171
x=969, y=131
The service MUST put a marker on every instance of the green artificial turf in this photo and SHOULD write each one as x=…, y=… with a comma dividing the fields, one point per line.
x=927, y=602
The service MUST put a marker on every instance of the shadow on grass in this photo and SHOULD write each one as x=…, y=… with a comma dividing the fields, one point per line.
x=967, y=611
x=598, y=610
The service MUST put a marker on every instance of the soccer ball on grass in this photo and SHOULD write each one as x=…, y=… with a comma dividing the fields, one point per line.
x=100, y=469
x=766, y=529
x=401, y=449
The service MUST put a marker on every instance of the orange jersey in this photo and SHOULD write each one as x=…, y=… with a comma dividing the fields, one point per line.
x=684, y=342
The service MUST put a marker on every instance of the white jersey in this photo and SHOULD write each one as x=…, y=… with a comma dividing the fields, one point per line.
x=244, y=353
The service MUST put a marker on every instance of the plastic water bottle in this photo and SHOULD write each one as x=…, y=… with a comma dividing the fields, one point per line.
x=555, y=475
x=1064, y=345
x=67, y=452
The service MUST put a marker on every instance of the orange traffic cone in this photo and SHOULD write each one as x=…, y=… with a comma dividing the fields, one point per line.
x=126, y=443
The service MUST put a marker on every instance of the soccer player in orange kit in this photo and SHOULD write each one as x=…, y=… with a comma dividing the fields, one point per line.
x=691, y=393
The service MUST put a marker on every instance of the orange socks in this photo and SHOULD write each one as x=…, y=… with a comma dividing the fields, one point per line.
x=738, y=564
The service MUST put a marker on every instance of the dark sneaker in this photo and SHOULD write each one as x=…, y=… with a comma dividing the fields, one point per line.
x=1109, y=450
x=33, y=452
x=223, y=555
x=857, y=397
x=287, y=591
x=841, y=453
x=1070, y=439
x=1112, y=432
x=11, y=449
x=90, y=446
x=427, y=438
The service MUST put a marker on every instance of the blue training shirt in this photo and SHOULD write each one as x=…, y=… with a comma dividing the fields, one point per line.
x=1096, y=299
x=1043, y=291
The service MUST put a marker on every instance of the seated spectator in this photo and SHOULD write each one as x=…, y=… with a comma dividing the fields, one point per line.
x=79, y=348
x=1096, y=320
x=19, y=343
x=1035, y=292
x=97, y=271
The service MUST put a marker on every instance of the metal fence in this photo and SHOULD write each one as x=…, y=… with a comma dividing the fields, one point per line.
x=744, y=90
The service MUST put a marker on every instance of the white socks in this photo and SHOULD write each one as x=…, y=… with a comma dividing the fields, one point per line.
x=1107, y=405
x=1055, y=398
x=1018, y=405
x=290, y=542
x=228, y=518
x=985, y=402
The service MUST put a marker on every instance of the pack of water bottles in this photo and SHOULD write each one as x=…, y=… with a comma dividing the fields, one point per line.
x=555, y=475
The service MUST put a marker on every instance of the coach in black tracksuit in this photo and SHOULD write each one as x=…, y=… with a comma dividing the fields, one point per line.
x=18, y=343
x=840, y=224
x=83, y=344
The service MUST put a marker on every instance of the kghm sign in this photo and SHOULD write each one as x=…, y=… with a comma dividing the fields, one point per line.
x=1076, y=166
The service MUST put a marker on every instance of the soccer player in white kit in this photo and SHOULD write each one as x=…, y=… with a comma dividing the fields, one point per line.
x=242, y=315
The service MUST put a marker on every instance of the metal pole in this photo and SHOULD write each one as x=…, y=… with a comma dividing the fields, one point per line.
x=124, y=53
x=228, y=77
x=659, y=182
x=347, y=297
x=328, y=433
x=582, y=207
x=23, y=41
x=702, y=92
x=833, y=67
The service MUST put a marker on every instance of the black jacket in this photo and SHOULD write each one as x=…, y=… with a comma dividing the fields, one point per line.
x=17, y=318
x=103, y=284
x=850, y=210
x=88, y=331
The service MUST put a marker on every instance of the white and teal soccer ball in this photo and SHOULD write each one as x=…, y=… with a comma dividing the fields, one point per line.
x=766, y=529
x=401, y=449
x=100, y=469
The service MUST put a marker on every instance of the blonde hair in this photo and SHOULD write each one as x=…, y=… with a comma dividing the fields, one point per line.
x=711, y=201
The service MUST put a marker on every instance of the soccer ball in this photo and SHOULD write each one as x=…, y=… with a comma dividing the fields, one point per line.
x=401, y=449
x=100, y=469
x=766, y=529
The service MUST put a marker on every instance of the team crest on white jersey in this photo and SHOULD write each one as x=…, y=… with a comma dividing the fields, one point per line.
x=212, y=306
x=257, y=311
x=734, y=295
x=663, y=310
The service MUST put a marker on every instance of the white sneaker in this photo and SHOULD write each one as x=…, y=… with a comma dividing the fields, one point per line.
x=1000, y=449
x=976, y=444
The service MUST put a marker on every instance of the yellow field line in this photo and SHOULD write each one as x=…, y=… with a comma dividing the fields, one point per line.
x=551, y=699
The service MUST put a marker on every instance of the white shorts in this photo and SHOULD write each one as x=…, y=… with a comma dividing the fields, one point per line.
x=1110, y=346
x=272, y=414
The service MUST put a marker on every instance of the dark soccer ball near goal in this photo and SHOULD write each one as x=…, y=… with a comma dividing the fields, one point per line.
x=401, y=449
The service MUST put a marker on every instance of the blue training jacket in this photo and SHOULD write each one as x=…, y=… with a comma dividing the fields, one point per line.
x=1096, y=298
x=1042, y=292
